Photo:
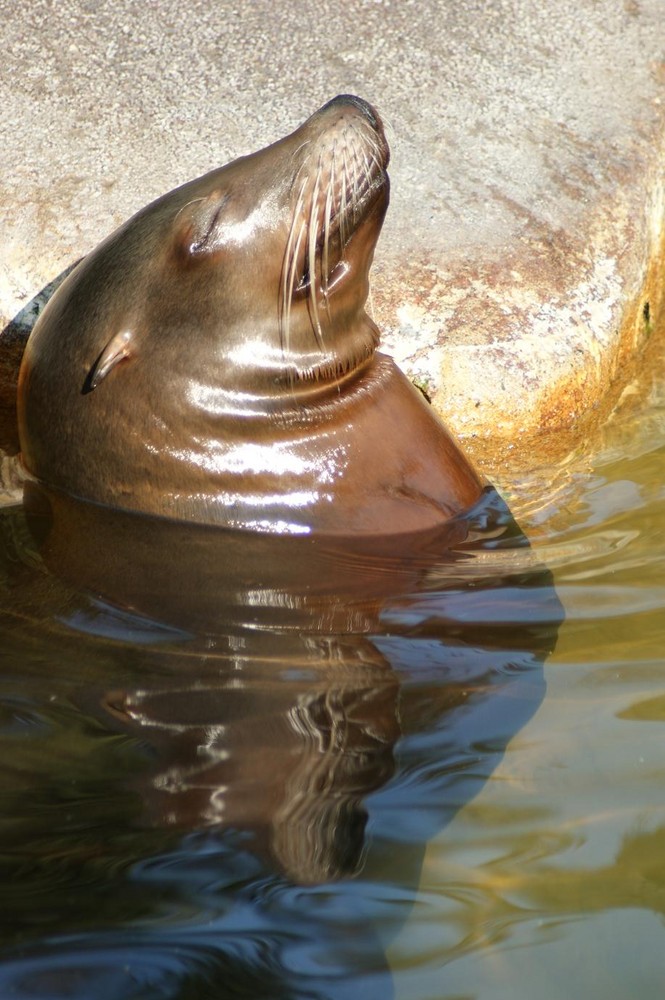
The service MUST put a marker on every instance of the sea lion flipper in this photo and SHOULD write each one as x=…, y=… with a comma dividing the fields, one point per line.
x=118, y=348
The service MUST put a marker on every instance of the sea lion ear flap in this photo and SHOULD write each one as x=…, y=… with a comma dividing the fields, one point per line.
x=118, y=348
x=198, y=226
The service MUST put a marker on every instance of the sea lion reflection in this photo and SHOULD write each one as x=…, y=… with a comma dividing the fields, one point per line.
x=288, y=762
x=306, y=662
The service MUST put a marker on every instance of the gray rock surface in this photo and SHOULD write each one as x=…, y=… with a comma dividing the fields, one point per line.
x=527, y=216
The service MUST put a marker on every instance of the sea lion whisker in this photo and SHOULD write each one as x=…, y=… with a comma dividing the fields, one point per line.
x=374, y=162
x=361, y=154
x=375, y=179
x=359, y=186
x=182, y=208
x=364, y=139
x=334, y=172
x=325, y=262
x=287, y=267
x=288, y=297
x=304, y=166
x=343, y=207
x=327, y=222
x=292, y=279
x=312, y=245
x=353, y=182
x=372, y=142
x=371, y=146
x=372, y=154
x=303, y=144
x=360, y=138
x=368, y=168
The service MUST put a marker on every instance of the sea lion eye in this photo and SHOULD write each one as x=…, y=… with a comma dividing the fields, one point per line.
x=198, y=231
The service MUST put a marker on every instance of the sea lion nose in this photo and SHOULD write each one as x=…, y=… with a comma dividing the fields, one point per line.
x=366, y=109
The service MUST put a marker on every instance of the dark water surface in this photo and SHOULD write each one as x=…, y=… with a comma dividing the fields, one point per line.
x=253, y=769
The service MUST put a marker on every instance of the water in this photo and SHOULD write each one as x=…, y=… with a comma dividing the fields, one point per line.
x=343, y=778
x=551, y=883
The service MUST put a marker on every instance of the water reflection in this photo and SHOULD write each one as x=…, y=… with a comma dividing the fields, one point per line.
x=246, y=742
x=289, y=762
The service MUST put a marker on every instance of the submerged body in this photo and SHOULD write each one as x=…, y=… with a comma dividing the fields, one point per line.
x=212, y=360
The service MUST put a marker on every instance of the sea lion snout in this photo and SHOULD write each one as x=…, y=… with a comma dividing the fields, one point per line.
x=340, y=196
x=350, y=104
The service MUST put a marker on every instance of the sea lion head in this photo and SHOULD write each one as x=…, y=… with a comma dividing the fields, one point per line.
x=267, y=259
x=283, y=242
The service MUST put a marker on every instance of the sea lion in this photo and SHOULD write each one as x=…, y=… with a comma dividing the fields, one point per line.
x=212, y=361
